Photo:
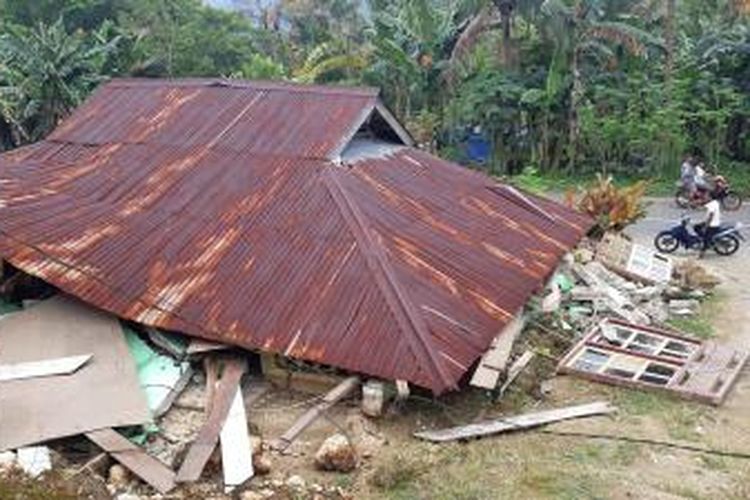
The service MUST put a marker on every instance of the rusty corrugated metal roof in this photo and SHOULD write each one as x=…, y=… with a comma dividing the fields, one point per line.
x=218, y=211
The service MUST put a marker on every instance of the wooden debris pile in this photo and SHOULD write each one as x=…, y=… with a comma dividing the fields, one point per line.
x=612, y=279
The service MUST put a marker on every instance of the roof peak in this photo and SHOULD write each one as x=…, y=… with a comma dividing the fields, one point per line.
x=231, y=83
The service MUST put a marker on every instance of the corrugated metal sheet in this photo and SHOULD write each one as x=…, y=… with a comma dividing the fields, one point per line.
x=400, y=267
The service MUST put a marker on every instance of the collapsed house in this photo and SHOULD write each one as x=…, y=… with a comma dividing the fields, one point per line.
x=294, y=220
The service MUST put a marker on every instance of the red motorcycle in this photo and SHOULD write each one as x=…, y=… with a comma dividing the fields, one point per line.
x=719, y=188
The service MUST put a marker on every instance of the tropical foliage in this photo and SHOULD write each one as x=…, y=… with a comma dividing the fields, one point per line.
x=555, y=86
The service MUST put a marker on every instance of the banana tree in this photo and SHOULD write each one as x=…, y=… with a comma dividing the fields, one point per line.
x=44, y=73
x=412, y=44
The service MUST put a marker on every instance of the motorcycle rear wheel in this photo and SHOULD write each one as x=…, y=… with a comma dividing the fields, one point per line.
x=726, y=245
x=731, y=201
x=666, y=242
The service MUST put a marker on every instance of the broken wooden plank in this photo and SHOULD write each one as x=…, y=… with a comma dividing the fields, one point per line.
x=44, y=368
x=170, y=342
x=201, y=449
x=334, y=396
x=236, y=450
x=518, y=422
x=495, y=360
x=174, y=392
x=152, y=471
x=515, y=370
x=198, y=346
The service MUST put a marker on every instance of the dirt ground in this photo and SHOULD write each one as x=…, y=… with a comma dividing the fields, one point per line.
x=546, y=463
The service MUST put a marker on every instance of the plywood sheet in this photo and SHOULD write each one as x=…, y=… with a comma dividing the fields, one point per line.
x=103, y=393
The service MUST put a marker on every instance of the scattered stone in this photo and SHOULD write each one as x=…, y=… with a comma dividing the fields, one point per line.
x=296, y=482
x=256, y=442
x=690, y=274
x=373, y=398
x=267, y=493
x=336, y=454
x=583, y=255
x=547, y=387
x=277, y=483
x=127, y=496
x=262, y=464
x=251, y=495
x=118, y=477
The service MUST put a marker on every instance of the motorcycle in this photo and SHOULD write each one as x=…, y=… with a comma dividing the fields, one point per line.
x=726, y=241
x=730, y=200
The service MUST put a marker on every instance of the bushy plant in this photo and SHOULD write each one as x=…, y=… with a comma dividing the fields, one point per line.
x=612, y=207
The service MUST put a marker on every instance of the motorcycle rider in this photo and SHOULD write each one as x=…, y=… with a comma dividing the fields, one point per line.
x=687, y=175
x=712, y=224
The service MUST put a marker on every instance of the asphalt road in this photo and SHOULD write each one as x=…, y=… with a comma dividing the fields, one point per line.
x=663, y=213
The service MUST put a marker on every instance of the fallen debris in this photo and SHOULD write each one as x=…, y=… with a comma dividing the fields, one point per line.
x=236, y=449
x=336, y=454
x=692, y=275
x=619, y=353
x=373, y=398
x=495, y=360
x=34, y=460
x=198, y=346
x=515, y=423
x=153, y=472
x=45, y=368
x=162, y=378
x=103, y=393
x=634, y=261
x=515, y=370
x=334, y=396
x=223, y=395
x=118, y=477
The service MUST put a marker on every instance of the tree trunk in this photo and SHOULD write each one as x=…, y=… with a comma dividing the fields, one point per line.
x=669, y=43
x=576, y=93
x=574, y=125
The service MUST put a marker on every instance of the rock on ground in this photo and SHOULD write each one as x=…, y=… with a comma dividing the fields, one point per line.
x=336, y=454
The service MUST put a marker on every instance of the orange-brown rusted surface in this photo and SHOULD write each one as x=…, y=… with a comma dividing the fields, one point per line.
x=218, y=210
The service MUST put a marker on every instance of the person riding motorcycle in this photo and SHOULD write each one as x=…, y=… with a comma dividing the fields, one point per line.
x=711, y=226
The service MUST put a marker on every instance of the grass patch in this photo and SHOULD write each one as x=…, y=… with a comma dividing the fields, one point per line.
x=658, y=186
x=715, y=462
x=701, y=325
x=398, y=474
x=559, y=485
x=681, y=418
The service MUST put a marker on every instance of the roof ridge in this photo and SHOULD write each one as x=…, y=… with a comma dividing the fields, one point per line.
x=397, y=300
x=269, y=85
